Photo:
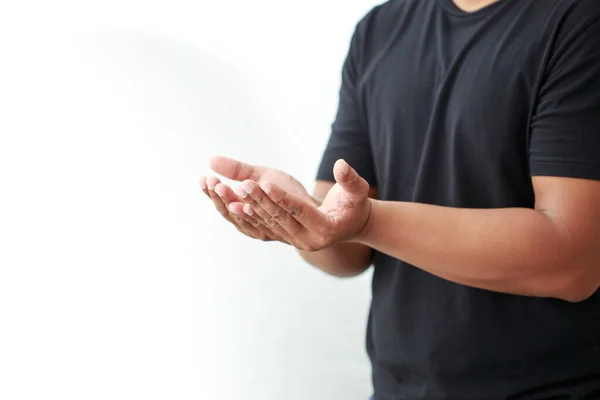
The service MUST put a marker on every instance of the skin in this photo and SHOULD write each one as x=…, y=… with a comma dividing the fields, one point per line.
x=341, y=260
x=472, y=5
x=551, y=251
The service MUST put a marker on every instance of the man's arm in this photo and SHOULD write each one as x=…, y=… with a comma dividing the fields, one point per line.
x=550, y=251
x=344, y=259
x=553, y=250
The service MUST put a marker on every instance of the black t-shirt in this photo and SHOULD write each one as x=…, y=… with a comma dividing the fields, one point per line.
x=460, y=109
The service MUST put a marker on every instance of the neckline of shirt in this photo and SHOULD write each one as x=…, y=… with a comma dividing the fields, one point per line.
x=453, y=9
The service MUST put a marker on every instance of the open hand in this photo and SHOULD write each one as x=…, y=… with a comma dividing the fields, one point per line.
x=223, y=196
x=342, y=217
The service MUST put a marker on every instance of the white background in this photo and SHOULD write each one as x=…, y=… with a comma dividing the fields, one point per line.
x=117, y=278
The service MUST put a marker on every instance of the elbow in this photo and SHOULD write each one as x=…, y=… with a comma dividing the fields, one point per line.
x=336, y=268
x=577, y=294
x=575, y=275
x=345, y=272
x=580, y=288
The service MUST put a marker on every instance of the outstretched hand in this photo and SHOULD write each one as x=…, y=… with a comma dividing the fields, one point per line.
x=280, y=208
x=222, y=195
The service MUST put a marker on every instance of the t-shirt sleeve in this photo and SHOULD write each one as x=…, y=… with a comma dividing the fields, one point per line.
x=349, y=137
x=565, y=131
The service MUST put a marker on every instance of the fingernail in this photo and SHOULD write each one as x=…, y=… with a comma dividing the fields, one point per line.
x=345, y=167
x=203, y=185
x=249, y=211
x=232, y=210
x=266, y=187
x=241, y=192
x=210, y=185
x=219, y=191
x=248, y=188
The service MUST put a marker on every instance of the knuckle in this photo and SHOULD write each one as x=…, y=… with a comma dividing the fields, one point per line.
x=271, y=221
x=285, y=202
x=258, y=197
x=325, y=241
x=297, y=211
x=280, y=215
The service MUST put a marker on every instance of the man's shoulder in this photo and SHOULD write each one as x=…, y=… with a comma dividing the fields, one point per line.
x=376, y=28
x=580, y=13
x=588, y=7
x=387, y=14
x=568, y=11
x=574, y=26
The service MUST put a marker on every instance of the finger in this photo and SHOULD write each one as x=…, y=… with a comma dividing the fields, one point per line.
x=251, y=232
x=203, y=185
x=300, y=210
x=350, y=180
x=277, y=231
x=238, y=209
x=256, y=220
x=226, y=194
x=248, y=224
x=275, y=215
x=211, y=183
x=235, y=207
x=253, y=208
x=223, y=197
x=233, y=169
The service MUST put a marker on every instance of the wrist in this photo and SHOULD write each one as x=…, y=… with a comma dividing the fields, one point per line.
x=365, y=234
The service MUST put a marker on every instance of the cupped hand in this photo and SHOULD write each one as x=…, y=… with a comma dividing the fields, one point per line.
x=222, y=196
x=227, y=202
x=239, y=171
x=342, y=217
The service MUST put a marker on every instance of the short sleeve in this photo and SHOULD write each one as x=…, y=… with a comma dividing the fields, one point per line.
x=565, y=130
x=349, y=137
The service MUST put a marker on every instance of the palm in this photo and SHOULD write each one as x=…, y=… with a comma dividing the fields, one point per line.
x=239, y=171
x=334, y=201
x=286, y=207
x=281, y=179
x=343, y=209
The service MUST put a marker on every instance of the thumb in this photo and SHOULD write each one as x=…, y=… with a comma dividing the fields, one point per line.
x=233, y=169
x=350, y=180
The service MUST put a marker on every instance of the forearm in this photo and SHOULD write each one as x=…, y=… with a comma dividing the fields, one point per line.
x=517, y=251
x=341, y=260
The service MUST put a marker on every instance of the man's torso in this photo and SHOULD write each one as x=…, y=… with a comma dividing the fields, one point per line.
x=449, y=99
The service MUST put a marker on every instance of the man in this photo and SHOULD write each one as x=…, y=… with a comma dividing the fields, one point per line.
x=470, y=179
